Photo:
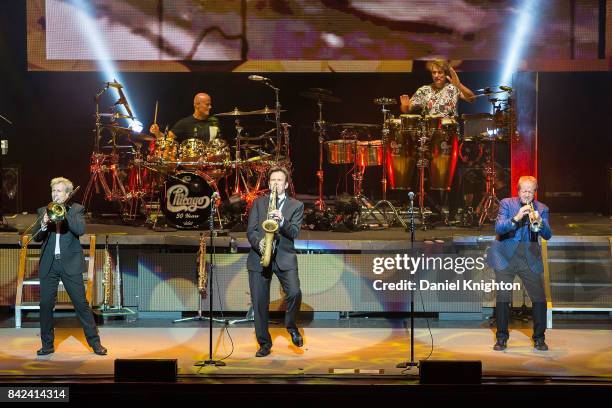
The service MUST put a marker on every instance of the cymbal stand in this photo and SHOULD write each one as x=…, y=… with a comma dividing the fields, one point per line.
x=319, y=127
x=489, y=204
x=237, y=190
x=422, y=164
x=384, y=202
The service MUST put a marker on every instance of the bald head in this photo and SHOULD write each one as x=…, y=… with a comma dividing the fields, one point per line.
x=201, y=105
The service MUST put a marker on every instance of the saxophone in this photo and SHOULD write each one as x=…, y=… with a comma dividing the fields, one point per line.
x=107, y=270
x=270, y=226
x=202, y=271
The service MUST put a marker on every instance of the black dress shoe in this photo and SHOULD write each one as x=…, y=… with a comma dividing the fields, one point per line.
x=500, y=345
x=262, y=352
x=296, y=337
x=44, y=351
x=540, y=345
x=100, y=350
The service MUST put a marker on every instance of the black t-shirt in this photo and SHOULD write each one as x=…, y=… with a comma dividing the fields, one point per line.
x=190, y=127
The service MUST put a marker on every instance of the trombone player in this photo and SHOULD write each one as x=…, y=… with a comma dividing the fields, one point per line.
x=281, y=260
x=516, y=251
x=60, y=226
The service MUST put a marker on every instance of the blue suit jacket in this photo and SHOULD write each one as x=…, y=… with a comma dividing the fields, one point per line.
x=511, y=236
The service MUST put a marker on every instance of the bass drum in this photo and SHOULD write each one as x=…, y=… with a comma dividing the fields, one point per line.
x=186, y=199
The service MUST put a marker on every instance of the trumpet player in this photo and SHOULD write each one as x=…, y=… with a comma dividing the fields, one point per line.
x=62, y=259
x=288, y=214
x=516, y=251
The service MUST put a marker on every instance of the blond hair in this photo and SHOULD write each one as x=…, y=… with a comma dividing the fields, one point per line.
x=62, y=180
x=527, y=179
x=441, y=64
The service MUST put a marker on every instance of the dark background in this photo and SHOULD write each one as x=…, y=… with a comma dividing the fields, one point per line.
x=53, y=118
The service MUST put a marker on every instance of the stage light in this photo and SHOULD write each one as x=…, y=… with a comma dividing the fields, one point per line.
x=136, y=126
x=88, y=25
x=521, y=29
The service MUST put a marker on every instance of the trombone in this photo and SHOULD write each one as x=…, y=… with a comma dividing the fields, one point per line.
x=56, y=213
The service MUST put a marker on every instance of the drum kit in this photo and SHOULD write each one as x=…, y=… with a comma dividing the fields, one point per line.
x=158, y=177
x=175, y=181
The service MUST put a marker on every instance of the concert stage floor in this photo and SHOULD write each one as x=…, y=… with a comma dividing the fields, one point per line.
x=579, y=350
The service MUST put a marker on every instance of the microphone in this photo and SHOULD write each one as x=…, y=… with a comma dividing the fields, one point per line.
x=411, y=195
x=505, y=88
x=258, y=78
x=214, y=196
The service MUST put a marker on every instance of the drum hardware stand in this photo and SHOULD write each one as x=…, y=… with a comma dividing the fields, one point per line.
x=367, y=205
x=490, y=203
x=4, y=226
x=319, y=127
x=210, y=318
x=412, y=229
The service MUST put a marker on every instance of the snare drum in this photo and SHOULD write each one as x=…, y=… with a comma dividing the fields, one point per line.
x=340, y=151
x=192, y=150
x=370, y=153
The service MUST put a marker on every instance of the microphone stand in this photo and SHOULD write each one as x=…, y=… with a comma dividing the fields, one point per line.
x=4, y=226
x=412, y=227
x=277, y=113
x=211, y=222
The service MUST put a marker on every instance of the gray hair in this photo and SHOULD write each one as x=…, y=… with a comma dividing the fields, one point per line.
x=62, y=180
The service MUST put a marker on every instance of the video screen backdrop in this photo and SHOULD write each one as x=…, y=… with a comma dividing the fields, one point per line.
x=298, y=35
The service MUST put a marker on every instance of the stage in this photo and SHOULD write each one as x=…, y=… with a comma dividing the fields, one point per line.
x=343, y=357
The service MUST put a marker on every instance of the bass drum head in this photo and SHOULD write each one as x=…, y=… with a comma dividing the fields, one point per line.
x=186, y=201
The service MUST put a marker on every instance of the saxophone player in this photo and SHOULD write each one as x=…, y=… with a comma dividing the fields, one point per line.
x=288, y=213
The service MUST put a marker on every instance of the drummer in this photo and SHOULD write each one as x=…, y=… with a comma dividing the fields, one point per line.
x=199, y=125
x=439, y=98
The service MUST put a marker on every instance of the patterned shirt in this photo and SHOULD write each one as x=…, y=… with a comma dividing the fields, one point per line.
x=437, y=102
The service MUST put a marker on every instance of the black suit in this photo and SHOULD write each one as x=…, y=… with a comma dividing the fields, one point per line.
x=283, y=264
x=69, y=269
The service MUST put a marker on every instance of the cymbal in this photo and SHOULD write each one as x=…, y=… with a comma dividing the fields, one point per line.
x=356, y=125
x=142, y=137
x=320, y=96
x=129, y=133
x=264, y=111
x=469, y=116
x=385, y=101
x=235, y=112
x=115, y=116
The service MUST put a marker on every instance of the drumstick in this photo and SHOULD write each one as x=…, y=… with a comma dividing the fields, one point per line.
x=155, y=117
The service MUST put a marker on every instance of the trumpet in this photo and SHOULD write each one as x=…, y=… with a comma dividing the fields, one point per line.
x=534, y=223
